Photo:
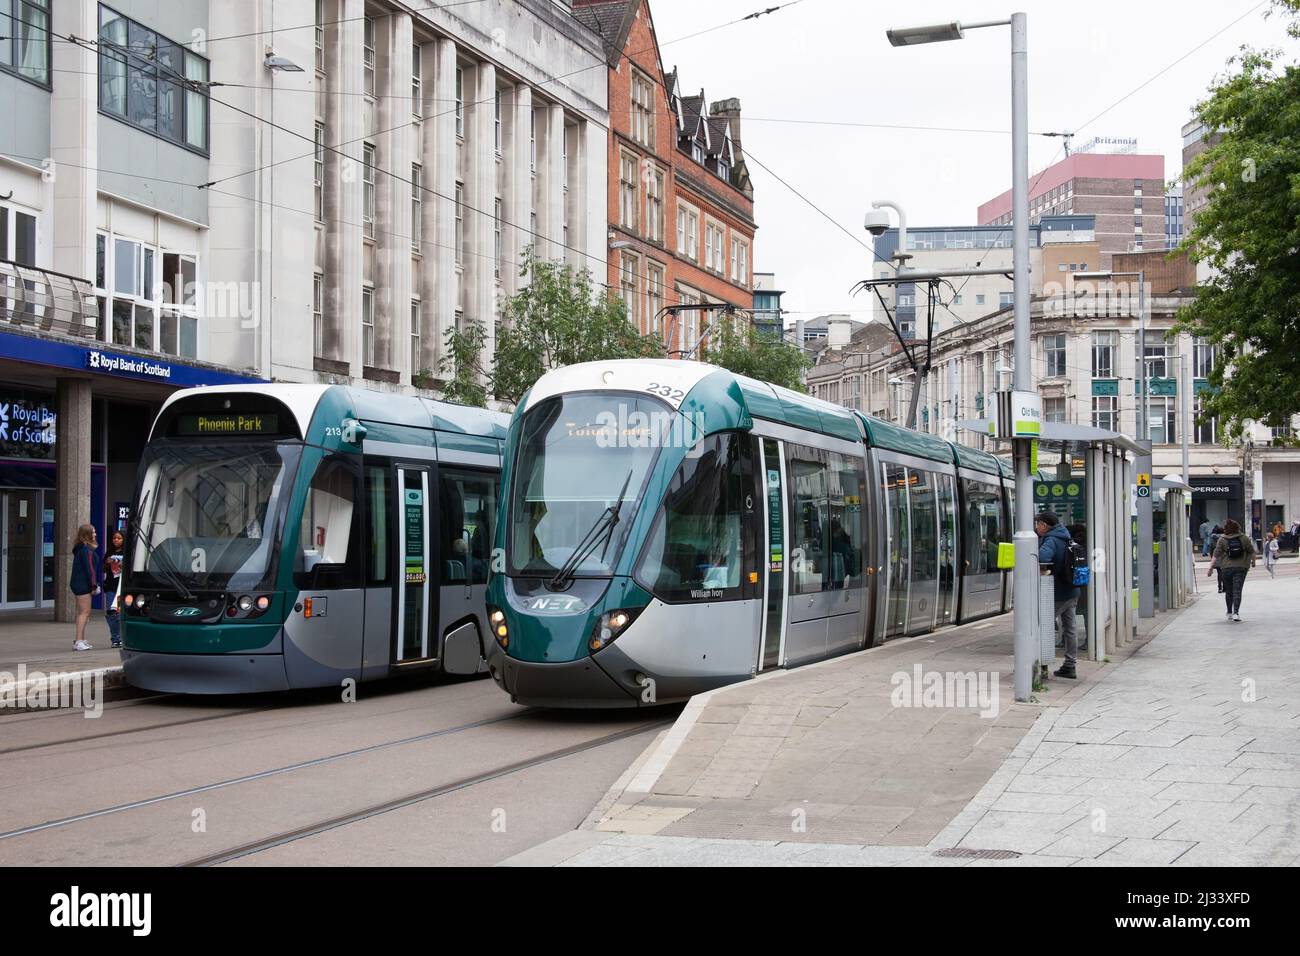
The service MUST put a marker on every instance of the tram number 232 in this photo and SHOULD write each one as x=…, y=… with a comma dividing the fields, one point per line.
x=667, y=391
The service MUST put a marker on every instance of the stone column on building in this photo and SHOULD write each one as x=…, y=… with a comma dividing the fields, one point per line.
x=519, y=202
x=481, y=190
x=440, y=281
x=72, y=464
x=1126, y=371
x=344, y=131
x=74, y=125
x=394, y=152
x=551, y=219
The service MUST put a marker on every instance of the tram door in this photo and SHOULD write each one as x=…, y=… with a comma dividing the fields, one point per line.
x=771, y=643
x=416, y=583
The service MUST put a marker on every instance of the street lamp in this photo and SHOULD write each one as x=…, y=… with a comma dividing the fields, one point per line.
x=1146, y=521
x=1026, y=541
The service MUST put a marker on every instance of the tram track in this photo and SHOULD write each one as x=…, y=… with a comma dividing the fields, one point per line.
x=420, y=796
x=83, y=738
x=260, y=775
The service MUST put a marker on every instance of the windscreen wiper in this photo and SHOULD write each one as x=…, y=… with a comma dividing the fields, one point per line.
x=602, y=529
x=170, y=573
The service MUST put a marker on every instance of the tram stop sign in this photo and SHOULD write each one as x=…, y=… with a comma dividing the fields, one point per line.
x=1144, y=484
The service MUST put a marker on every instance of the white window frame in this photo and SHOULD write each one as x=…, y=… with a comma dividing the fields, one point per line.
x=318, y=171
x=416, y=330
x=460, y=225
x=460, y=102
x=629, y=191
x=368, y=190
x=318, y=313
x=417, y=205
x=368, y=56
x=368, y=326
x=417, y=81
x=655, y=180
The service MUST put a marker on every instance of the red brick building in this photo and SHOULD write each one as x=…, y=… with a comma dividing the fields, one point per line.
x=681, y=206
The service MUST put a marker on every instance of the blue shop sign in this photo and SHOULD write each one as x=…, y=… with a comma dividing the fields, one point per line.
x=67, y=355
x=27, y=427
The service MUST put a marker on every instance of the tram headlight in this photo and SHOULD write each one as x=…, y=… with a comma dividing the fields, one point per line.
x=245, y=603
x=610, y=626
x=500, y=630
x=263, y=603
x=128, y=600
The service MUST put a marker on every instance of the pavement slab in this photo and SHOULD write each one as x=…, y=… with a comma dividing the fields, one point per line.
x=1183, y=751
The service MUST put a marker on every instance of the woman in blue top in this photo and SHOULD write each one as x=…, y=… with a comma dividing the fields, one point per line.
x=85, y=581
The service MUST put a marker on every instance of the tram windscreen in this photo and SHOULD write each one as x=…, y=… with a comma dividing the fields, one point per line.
x=577, y=454
x=209, y=512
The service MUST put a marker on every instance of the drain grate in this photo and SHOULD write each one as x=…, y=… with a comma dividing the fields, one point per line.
x=965, y=853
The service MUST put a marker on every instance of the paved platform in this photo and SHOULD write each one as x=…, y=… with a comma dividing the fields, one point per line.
x=36, y=640
x=1184, y=750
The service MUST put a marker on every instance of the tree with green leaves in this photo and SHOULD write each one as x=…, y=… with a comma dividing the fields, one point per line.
x=557, y=318
x=741, y=348
x=1249, y=233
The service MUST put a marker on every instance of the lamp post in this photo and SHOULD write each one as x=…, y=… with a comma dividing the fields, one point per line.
x=1025, y=578
x=1146, y=521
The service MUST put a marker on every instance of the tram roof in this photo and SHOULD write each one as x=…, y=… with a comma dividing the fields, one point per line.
x=977, y=460
x=881, y=434
x=418, y=412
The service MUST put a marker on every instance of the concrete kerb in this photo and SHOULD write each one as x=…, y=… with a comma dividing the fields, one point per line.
x=640, y=778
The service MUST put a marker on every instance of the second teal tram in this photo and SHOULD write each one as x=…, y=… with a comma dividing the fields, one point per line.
x=667, y=527
x=289, y=536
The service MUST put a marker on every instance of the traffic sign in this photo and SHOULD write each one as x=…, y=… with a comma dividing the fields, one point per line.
x=1144, y=479
x=1144, y=491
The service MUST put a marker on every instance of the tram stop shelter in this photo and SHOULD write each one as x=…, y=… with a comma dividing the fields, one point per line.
x=1087, y=476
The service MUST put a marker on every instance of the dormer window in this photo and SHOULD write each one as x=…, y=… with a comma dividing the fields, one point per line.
x=724, y=170
x=697, y=152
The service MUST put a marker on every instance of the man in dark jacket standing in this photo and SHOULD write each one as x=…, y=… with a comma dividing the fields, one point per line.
x=1054, y=554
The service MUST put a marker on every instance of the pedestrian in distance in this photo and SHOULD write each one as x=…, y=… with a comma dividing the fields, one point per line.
x=1206, y=530
x=1215, y=535
x=1234, y=555
x=112, y=585
x=1295, y=536
x=1271, y=548
x=85, y=581
x=1054, y=553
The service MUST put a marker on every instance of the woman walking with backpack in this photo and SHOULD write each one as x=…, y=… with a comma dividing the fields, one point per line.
x=1234, y=555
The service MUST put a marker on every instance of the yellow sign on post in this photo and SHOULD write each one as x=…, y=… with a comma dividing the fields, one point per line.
x=1006, y=555
x=1144, y=479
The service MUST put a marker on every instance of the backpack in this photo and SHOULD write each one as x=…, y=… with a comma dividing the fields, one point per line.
x=1235, y=548
x=1079, y=564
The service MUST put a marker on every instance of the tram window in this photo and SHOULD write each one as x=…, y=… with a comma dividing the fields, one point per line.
x=846, y=479
x=468, y=512
x=379, y=502
x=329, y=541
x=809, y=520
x=697, y=549
x=983, y=523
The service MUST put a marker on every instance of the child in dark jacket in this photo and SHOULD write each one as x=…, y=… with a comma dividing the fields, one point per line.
x=112, y=577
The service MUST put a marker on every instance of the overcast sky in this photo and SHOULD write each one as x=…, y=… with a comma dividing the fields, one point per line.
x=829, y=61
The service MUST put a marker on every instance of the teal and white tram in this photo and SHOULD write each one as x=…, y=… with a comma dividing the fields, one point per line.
x=291, y=536
x=667, y=527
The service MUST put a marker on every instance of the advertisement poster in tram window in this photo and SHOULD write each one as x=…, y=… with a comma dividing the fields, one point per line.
x=776, y=537
x=414, y=536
